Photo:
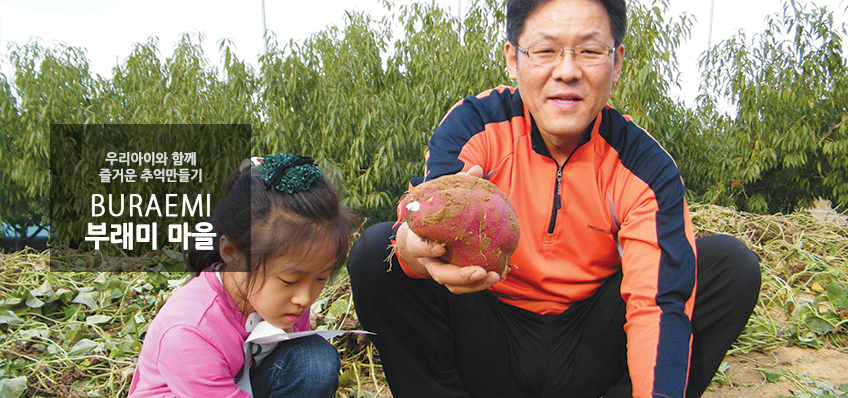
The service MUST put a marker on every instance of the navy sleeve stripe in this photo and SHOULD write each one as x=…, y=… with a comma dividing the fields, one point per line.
x=468, y=119
x=649, y=162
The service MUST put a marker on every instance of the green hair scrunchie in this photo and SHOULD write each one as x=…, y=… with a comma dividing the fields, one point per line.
x=288, y=173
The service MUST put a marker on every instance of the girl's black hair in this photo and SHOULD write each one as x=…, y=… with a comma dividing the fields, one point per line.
x=266, y=223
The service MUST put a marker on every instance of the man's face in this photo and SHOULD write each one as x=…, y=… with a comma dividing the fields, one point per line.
x=566, y=97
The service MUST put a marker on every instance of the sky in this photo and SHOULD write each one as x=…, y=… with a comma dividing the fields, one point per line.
x=108, y=29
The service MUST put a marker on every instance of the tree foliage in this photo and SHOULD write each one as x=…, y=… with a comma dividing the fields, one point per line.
x=360, y=102
x=364, y=98
x=56, y=87
x=649, y=72
x=787, y=143
x=345, y=98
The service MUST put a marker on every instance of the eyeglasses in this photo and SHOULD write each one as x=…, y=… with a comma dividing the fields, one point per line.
x=551, y=54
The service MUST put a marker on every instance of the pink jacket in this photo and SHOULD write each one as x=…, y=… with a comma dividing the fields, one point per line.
x=193, y=347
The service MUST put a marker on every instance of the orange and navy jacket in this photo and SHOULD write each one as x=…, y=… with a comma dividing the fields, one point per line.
x=616, y=204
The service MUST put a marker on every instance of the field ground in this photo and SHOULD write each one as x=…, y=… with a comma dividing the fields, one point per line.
x=782, y=372
x=78, y=334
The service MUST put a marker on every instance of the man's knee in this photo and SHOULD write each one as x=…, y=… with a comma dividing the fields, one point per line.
x=727, y=268
x=370, y=251
x=733, y=254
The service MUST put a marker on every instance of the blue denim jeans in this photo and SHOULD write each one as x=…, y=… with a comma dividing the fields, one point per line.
x=306, y=367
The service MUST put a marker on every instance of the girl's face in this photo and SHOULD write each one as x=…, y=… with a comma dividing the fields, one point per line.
x=289, y=287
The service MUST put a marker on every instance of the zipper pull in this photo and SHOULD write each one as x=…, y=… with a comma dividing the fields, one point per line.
x=557, y=199
x=557, y=194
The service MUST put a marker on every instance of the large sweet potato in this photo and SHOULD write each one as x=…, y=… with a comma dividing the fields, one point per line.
x=470, y=216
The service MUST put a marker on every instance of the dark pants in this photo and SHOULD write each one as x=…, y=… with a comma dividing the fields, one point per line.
x=433, y=343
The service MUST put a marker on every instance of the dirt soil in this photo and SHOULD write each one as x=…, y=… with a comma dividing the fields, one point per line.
x=747, y=378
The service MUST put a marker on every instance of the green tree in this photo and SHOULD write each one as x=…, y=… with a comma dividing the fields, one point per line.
x=20, y=213
x=787, y=143
x=49, y=86
x=649, y=72
x=363, y=100
x=365, y=103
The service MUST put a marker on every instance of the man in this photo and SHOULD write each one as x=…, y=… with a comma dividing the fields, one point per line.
x=606, y=298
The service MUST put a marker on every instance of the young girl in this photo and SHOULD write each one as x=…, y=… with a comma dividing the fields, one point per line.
x=281, y=233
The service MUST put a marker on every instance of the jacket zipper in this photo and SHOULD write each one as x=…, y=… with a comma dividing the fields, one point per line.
x=558, y=189
x=557, y=198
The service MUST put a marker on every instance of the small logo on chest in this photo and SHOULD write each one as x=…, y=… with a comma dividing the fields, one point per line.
x=599, y=229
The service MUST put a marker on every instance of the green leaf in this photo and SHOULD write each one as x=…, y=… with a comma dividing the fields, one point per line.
x=771, y=377
x=44, y=289
x=318, y=305
x=130, y=327
x=173, y=283
x=98, y=319
x=40, y=334
x=116, y=294
x=11, y=302
x=71, y=311
x=65, y=295
x=73, y=332
x=836, y=295
x=53, y=349
x=33, y=302
x=174, y=255
x=102, y=282
x=13, y=388
x=88, y=298
x=348, y=378
x=819, y=325
x=9, y=318
x=120, y=350
x=83, y=347
x=339, y=307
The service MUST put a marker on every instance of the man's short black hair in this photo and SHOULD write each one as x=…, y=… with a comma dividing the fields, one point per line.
x=517, y=12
